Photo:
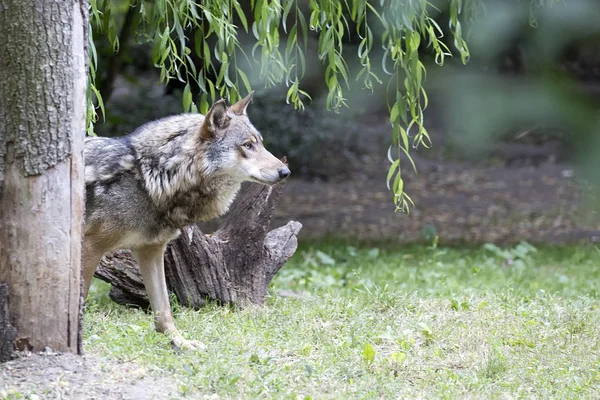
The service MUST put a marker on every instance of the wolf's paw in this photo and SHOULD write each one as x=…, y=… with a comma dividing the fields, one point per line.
x=184, y=344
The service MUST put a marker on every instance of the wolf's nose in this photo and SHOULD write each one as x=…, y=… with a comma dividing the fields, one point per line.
x=284, y=172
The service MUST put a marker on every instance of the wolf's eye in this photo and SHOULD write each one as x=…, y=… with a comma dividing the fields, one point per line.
x=249, y=146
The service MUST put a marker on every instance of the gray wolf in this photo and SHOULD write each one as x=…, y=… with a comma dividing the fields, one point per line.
x=176, y=171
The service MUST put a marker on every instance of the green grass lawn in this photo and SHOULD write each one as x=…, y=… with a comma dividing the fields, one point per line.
x=385, y=322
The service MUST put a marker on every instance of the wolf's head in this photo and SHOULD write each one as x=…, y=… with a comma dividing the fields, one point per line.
x=235, y=147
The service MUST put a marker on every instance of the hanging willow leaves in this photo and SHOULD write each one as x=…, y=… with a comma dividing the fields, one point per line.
x=209, y=29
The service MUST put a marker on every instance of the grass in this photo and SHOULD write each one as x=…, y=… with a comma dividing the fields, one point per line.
x=386, y=322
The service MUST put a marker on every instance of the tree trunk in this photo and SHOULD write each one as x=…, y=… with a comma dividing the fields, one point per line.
x=233, y=266
x=7, y=331
x=43, y=78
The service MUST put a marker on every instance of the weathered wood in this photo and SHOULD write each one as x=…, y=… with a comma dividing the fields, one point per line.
x=7, y=331
x=122, y=272
x=43, y=80
x=233, y=266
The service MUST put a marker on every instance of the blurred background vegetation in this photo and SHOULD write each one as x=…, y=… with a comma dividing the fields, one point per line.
x=511, y=114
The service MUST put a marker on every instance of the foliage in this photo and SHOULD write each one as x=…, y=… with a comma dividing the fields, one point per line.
x=180, y=30
x=372, y=321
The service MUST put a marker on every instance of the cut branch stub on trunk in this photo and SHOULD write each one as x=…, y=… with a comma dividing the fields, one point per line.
x=233, y=266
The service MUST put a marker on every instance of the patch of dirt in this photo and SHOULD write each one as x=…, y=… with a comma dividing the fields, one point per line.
x=52, y=375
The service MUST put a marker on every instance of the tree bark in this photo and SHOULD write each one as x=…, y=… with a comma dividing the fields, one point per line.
x=233, y=266
x=43, y=78
x=7, y=331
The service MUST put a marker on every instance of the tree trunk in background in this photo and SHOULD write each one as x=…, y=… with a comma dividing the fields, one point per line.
x=43, y=78
x=233, y=266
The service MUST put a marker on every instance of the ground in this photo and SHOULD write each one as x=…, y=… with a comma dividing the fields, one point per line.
x=68, y=376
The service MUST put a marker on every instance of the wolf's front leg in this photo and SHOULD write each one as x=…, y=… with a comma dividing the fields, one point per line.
x=92, y=254
x=150, y=260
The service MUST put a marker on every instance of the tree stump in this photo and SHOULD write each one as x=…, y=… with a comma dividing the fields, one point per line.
x=233, y=266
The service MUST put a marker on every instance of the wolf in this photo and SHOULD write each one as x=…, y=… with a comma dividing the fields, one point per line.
x=141, y=189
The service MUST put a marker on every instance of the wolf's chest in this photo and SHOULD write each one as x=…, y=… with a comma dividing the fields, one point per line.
x=202, y=203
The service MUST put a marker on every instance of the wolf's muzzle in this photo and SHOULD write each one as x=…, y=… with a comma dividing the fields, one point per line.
x=284, y=172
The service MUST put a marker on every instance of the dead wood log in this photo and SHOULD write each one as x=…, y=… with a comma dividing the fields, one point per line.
x=233, y=266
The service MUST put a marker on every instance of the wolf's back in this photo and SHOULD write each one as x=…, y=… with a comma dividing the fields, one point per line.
x=115, y=193
x=105, y=158
x=127, y=178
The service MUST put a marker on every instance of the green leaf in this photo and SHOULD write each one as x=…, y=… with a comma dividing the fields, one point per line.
x=454, y=305
x=100, y=101
x=369, y=353
x=398, y=357
x=407, y=22
x=304, y=27
x=180, y=34
x=241, y=15
x=341, y=67
x=198, y=39
x=163, y=39
x=391, y=171
x=437, y=27
x=410, y=159
x=245, y=80
x=258, y=6
x=165, y=54
x=112, y=35
x=398, y=184
x=201, y=82
x=302, y=63
x=354, y=10
x=404, y=135
x=211, y=87
x=286, y=11
x=426, y=330
x=204, y=105
x=206, y=53
x=394, y=112
x=187, y=97
x=292, y=40
x=305, y=94
x=290, y=93
x=254, y=359
x=160, y=6
x=324, y=258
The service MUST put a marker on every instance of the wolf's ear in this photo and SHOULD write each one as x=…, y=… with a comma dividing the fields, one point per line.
x=216, y=119
x=239, y=108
